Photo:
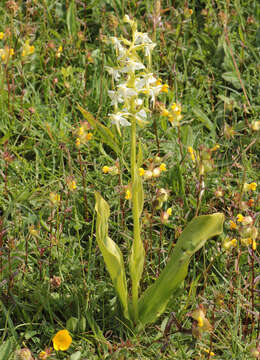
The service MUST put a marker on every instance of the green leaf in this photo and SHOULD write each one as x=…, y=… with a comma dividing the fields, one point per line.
x=71, y=19
x=106, y=134
x=232, y=78
x=154, y=300
x=5, y=350
x=201, y=116
x=75, y=356
x=187, y=136
x=111, y=253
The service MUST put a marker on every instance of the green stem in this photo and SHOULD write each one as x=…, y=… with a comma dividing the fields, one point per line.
x=136, y=223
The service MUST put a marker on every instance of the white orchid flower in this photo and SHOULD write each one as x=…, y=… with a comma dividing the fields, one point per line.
x=125, y=92
x=115, y=98
x=114, y=72
x=132, y=66
x=119, y=119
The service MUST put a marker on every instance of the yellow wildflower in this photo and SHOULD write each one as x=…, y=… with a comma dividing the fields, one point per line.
x=211, y=353
x=176, y=108
x=232, y=225
x=80, y=131
x=158, y=82
x=72, y=185
x=141, y=171
x=6, y=53
x=248, y=187
x=191, y=152
x=54, y=198
x=78, y=142
x=62, y=340
x=106, y=169
x=253, y=186
x=88, y=136
x=165, y=88
x=27, y=49
x=165, y=112
x=33, y=231
x=162, y=167
x=200, y=321
x=1, y=35
x=246, y=241
x=254, y=245
x=240, y=217
x=128, y=194
x=43, y=355
x=58, y=53
x=229, y=243
x=234, y=242
x=215, y=148
x=251, y=202
x=169, y=211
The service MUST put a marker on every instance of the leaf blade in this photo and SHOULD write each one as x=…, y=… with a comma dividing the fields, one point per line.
x=154, y=300
x=111, y=253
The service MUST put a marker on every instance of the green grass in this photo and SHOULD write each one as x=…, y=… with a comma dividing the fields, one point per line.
x=55, y=271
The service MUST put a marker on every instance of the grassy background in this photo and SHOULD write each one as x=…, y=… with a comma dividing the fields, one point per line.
x=50, y=266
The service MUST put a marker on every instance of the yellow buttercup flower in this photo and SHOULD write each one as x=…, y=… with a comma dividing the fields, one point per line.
x=62, y=340
x=1, y=35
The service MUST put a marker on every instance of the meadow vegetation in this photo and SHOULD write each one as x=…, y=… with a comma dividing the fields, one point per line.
x=109, y=139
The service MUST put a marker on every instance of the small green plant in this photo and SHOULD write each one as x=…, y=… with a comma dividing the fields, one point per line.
x=134, y=91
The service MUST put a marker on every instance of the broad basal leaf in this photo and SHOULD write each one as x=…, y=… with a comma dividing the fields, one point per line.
x=154, y=300
x=111, y=253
